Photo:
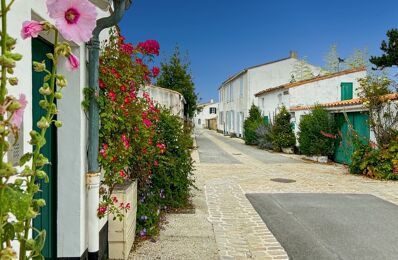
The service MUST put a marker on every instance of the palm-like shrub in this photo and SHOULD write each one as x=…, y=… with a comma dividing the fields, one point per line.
x=282, y=132
x=317, y=131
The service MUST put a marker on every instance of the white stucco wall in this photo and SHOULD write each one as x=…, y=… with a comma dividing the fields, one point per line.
x=254, y=80
x=201, y=117
x=167, y=98
x=72, y=147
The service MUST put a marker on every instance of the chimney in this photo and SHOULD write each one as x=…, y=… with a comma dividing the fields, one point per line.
x=293, y=54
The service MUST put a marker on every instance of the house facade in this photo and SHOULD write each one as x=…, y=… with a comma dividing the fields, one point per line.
x=236, y=94
x=206, y=115
x=65, y=216
x=336, y=92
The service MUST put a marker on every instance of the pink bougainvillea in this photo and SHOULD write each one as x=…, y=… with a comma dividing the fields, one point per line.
x=150, y=47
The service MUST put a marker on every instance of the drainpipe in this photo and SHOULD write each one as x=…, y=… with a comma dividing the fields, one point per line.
x=93, y=173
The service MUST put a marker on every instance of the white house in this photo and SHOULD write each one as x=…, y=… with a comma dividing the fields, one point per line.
x=206, y=113
x=167, y=98
x=65, y=215
x=236, y=94
x=336, y=92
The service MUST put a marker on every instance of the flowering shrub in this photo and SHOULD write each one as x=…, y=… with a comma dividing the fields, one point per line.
x=127, y=120
x=18, y=187
x=172, y=175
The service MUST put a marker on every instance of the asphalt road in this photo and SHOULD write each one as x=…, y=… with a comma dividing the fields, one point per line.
x=209, y=152
x=261, y=155
x=330, y=226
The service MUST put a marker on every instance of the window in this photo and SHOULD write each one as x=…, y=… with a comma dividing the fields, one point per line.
x=213, y=110
x=199, y=121
x=262, y=102
x=280, y=98
x=286, y=92
x=346, y=90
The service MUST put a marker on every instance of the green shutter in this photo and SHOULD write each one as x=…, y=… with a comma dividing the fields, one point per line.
x=346, y=90
x=265, y=119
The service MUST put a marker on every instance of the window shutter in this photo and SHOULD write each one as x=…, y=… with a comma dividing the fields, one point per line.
x=346, y=91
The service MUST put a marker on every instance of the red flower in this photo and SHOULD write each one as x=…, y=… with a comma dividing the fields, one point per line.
x=103, y=150
x=101, y=84
x=162, y=147
x=126, y=100
x=125, y=141
x=128, y=206
x=155, y=71
x=112, y=95
x=147, y=122
x=101, y=211
x=115, y=73
x=122, y=174
x=156, y=163
x=150, y=47
x=114, y=199
x=123, y=88
x=127, y=48
x=138, y=61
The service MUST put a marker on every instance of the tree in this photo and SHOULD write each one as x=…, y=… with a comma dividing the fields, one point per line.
x=359, y=58
x=251, y=124
x=176, y=75
x=302, y=71
x=332, y=60
x=317, y=133
x=390, y=56
x=282, y=132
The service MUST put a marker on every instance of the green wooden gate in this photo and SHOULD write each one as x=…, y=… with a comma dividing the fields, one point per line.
x=345, y=148
x=47, y=219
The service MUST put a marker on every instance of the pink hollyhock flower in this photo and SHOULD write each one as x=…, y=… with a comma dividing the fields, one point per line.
x=31, y=29
x=155, y=71
x=150, y=47
x=72, y=63
x=18, y=115
x=75, y=19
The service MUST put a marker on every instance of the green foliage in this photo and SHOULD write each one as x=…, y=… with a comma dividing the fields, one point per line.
x=359, y=58
x=383, y=116
x=176, y=75
x=317, y=130
x=377, y=163
x=390, y=51
x=251, y=124
x=332, y=60
x=282, y=134
x=264, y=138
x=172, y=177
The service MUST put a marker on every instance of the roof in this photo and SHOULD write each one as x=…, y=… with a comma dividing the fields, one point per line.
x=252, y=67
x=344, y=103
x=303, y=82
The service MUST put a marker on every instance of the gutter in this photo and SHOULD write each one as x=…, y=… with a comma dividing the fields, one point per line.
x=93, y=173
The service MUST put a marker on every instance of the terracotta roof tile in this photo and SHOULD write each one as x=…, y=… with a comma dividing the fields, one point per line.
x=351, y=102
x=302, y=82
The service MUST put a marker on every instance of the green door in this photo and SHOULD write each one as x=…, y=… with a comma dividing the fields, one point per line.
x=345, y=147
x=47, y=218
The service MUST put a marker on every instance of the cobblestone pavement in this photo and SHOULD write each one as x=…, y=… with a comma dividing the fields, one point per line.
x=239, y=231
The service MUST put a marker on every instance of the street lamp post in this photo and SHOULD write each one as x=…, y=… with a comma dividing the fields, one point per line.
x=93, y=173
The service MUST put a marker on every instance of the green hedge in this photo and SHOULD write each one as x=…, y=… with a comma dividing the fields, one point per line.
x=317, y=131
x=282, y=134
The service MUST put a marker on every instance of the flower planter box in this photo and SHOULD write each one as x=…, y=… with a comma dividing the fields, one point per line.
x=121, y=234
x=288, y=150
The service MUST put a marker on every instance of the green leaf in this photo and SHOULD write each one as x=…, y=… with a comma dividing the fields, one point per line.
x=8, y=232
x=16, y=202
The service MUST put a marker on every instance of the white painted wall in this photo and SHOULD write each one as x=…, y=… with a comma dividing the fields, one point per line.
x=254, y=80
x=167, y=98
x=71, y=215
x=201, y=117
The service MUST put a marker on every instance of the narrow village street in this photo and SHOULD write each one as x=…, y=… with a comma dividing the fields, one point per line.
x=228, y=227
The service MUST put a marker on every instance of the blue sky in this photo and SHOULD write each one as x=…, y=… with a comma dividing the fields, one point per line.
x=224, y=36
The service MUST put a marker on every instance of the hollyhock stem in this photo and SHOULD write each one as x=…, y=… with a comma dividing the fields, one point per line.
x=2, y=95
x=49, y=116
